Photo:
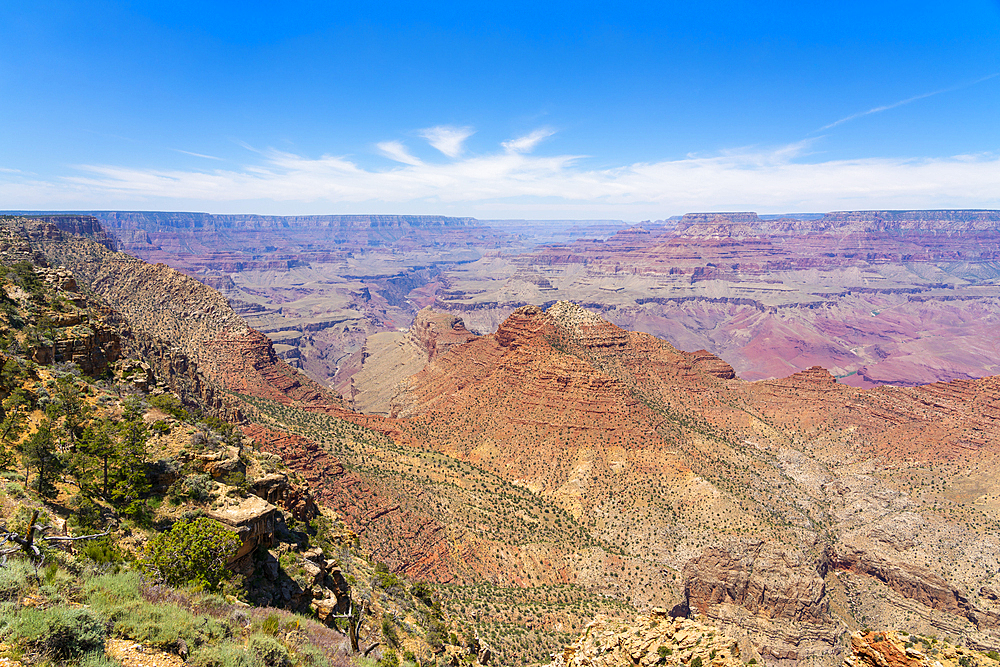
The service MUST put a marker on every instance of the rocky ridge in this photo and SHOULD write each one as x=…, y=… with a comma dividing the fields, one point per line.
x=189, y=334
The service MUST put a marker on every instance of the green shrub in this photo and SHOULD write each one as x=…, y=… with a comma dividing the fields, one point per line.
x=15, y=490
x=103, y=551
x=15, y=579
x=110, y=591
x=389, y=659
x=436, y=639
x=169, y=404
x=993, y=655
x=87, y=516
x=61, y=633
x=386, y=578
x=227, y=654
x=695, y=661
x=423, y=592
x=311, y=656
x=267, y=652
x=165, y=625
x=271, y=625
x=195, y=487
x=195, y=552
x=389, y=632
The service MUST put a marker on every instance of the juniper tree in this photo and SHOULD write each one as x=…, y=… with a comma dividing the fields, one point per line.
x=39, y=452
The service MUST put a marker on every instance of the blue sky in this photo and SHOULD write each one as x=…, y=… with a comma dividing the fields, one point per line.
x=516, y=109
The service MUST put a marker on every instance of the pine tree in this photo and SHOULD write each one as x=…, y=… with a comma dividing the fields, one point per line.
x=131, y=482
x=39, y=452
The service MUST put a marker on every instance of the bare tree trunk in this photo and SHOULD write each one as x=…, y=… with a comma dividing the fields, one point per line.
x=30, y=536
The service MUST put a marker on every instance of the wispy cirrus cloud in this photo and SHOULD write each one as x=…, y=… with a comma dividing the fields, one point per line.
x=528, y=142
x=447, y=139
x=395, y=150
x=906, y=101
x=208, y=157
x=511, y=182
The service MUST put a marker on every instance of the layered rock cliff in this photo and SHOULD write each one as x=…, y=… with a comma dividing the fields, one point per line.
x=185, y=330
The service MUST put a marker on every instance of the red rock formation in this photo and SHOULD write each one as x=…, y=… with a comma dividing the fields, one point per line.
x=874, y=649
x=436, y=332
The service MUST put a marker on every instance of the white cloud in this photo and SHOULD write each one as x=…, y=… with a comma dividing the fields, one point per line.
x=394, y=150
x=447, y=139
x=512, y=184
x=527, y=143
x=900, y=103
x=209, y=157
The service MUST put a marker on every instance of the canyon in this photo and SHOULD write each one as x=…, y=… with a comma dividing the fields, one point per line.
x=562, y=452
x=878, y=297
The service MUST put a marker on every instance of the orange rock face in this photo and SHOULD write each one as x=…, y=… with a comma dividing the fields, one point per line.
x=437, y=332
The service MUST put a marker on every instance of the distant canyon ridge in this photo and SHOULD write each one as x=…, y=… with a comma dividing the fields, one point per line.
x=876, y=297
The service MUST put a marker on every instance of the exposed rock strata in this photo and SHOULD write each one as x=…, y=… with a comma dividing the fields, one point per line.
x=187, y=331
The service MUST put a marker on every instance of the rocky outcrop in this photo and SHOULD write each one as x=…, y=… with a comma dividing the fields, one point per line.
x=332, y=592
x=877, y=650
x=275, y=488
x=901, y=649
x=653, y=639
x=436, y=332
x=709, y=363
x=254, y=520
x=763, y=578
